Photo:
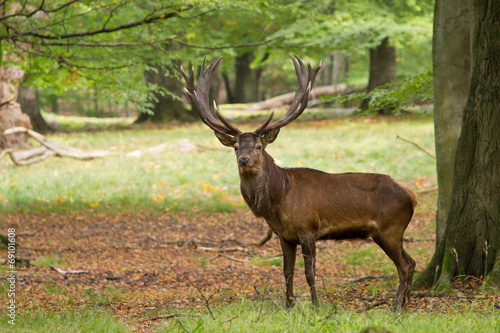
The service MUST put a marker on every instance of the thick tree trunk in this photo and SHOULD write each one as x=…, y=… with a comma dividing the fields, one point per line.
x=451, y=66
x=382, y=70
x=246, y=85
x=165, y=107
x=471, y=244
x=28, y=99
x=10, y=111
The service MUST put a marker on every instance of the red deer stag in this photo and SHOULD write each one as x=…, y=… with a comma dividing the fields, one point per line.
x=303, y=205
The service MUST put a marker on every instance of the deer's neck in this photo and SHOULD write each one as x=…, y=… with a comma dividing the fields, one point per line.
x=264, y=190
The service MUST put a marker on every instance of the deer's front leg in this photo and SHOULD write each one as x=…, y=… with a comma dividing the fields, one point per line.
x=308, y=245
x=289, y=253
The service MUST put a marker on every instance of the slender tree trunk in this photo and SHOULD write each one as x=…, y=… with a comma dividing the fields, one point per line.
x=246, y=85
x=451, y=66
x=243, y=79
x=382, y=70
x=471, y=243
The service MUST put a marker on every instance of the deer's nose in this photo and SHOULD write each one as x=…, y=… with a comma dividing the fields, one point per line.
x=244, y=161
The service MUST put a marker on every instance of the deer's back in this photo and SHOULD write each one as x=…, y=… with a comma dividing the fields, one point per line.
x=346, y=205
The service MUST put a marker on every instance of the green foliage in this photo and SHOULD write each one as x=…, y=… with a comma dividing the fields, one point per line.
x=108, y=45
x=398, y=96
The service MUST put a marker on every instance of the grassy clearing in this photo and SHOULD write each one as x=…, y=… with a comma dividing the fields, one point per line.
x=206, y=178
x=67, y=322
x=268, y=316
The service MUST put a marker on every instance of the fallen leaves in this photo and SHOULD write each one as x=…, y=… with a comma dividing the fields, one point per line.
x=137, y=263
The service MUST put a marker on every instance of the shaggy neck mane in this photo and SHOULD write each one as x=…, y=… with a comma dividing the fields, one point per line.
x=264, y=189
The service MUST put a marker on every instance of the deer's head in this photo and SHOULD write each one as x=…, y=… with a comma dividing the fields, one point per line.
x=248, y=146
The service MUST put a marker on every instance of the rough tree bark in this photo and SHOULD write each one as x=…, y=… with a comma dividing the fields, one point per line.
x=10, y=111
x=471, y=243
x=382, y=70
x=451, y=65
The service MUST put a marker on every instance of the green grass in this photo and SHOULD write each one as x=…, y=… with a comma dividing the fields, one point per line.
x=269, y=316
x=205, y=178
x=67, y=322
x=48, y=261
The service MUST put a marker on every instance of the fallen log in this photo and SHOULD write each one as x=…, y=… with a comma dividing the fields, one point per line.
x=48, y=148
x=287, y=99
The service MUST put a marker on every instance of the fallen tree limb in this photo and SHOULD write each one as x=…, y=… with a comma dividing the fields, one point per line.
x=286, y=99
x=47, y=149
x=70, y=271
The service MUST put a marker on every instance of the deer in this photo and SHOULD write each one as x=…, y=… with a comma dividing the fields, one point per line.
x=301, y=205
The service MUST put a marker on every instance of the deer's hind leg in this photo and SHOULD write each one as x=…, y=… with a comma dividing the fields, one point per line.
x=404, y=264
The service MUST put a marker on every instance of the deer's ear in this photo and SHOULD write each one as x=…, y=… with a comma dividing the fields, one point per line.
x=227, y=141
x=270, y=136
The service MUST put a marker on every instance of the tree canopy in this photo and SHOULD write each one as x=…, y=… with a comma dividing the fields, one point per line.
x=68, y=44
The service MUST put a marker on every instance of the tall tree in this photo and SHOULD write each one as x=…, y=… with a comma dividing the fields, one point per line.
x=451, y=66
x=471, y=240
x=382, y=70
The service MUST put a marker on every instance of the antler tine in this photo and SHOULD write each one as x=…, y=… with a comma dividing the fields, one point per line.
x=231, y=127
x=305, y=81
x=200, y=98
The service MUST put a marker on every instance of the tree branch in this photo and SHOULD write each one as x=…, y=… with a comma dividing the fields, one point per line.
x=147, y=20
x=68, y=43
x=35, y=11
x=229, y=46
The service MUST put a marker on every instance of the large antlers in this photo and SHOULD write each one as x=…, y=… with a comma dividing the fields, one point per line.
x=200, y=98
x=199, y=95
x=305, y=80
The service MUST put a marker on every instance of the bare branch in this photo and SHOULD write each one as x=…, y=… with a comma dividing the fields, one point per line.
x=37, y=10
x=416, y=145
x=106, y=45
x=147, y=20
x=70, y=271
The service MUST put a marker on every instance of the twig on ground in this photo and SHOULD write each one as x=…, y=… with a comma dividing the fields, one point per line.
x=427, y=190
x=227, y=249
x=169, y=316
x=416, y=145
x=228, y=257
x=27, y=234
x=373, y=306
x=182, y=326
x=200, y=293
x=70, y=271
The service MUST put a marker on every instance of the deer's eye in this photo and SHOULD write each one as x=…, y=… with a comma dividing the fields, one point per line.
x=235, y=148
x=258, y=147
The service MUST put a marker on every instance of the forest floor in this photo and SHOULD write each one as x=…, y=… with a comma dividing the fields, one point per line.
x=145, y=267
